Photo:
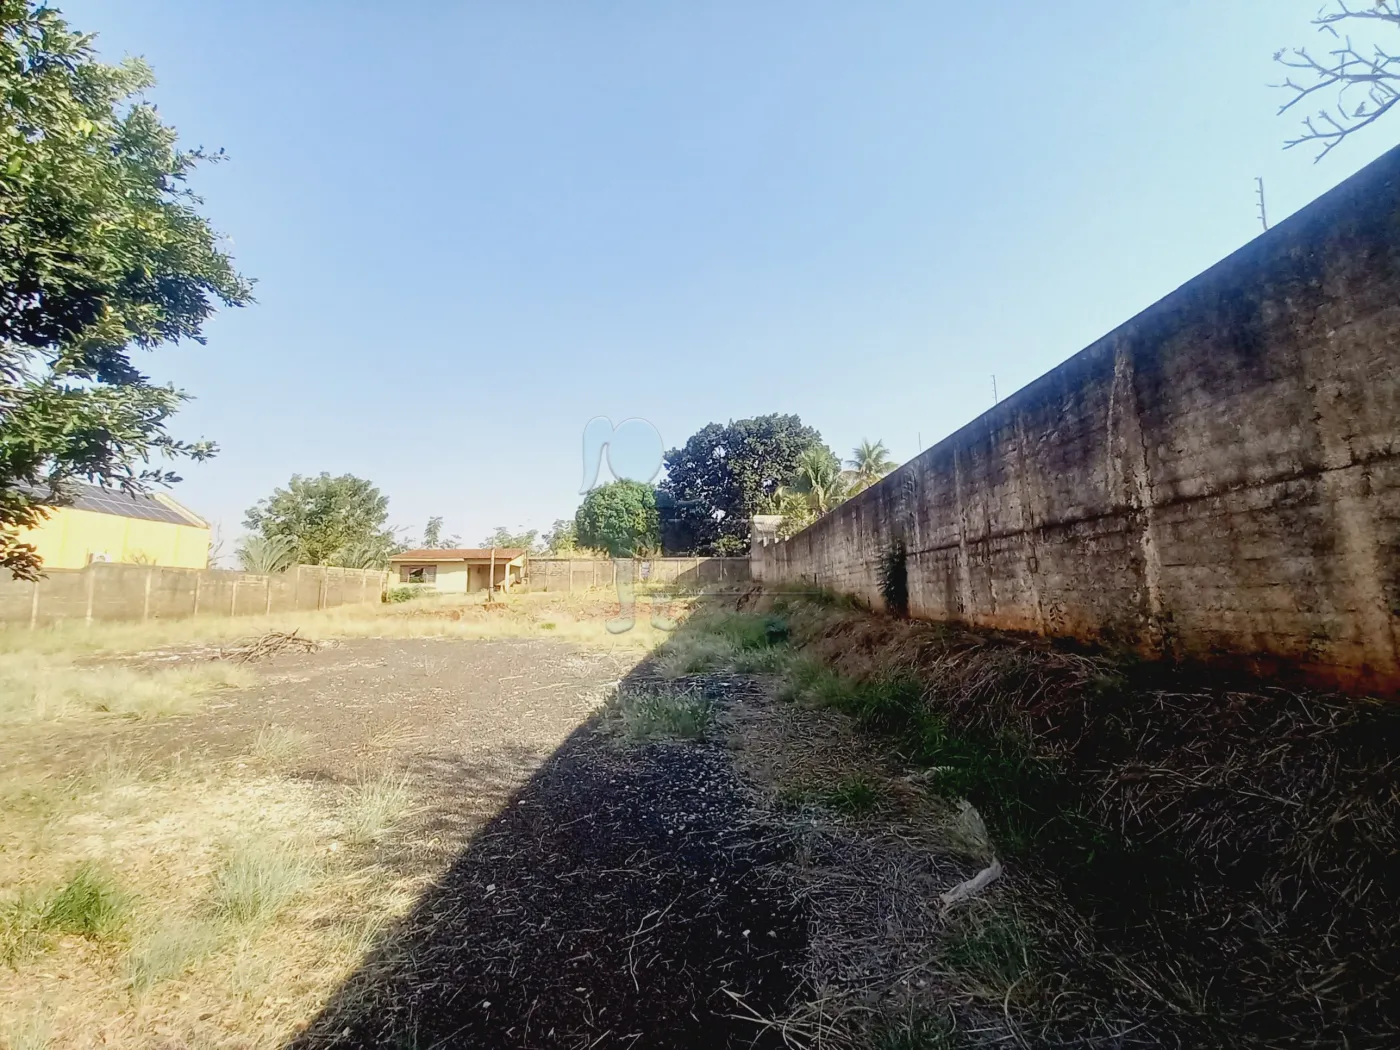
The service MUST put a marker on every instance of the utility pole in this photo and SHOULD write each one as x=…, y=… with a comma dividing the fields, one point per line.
x=1259, y=187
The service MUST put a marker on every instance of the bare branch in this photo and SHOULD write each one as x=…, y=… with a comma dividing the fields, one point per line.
x=1373, y=72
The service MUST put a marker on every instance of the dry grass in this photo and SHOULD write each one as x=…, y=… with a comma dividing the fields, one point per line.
x=187, y=901
x=37, y=688
x=1238, y=842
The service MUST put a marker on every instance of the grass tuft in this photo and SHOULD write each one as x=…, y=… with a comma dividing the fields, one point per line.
x=993, y=955
x=169, y=950
x=376, y=804
x=278, y=745
x=655, y=715
x=257, y=881
x=90, y=904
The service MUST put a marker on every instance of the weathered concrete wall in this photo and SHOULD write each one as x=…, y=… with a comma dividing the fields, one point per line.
x=112, y=591
x=578, y=574
x=1217, y=479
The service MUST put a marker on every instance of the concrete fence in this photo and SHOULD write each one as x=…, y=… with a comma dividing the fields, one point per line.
x=1217, y=479
x=579, y=574
x=116, y=592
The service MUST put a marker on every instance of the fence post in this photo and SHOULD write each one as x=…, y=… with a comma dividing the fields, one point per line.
x=571, y=575
x=198, y=579
x=267, y=607
x=34, y=607
x=91, y=588
x=233, y=600
x=146, y=598
x=321, y=591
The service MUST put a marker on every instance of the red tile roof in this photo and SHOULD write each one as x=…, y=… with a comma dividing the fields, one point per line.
x=440, y=554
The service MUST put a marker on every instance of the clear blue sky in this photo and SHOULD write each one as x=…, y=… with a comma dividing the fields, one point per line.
x=474, y=226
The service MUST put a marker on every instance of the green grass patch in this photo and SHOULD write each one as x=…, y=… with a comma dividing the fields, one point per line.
x=90, y=904
x=918, y=1033
x=658, y=715
x=994, y=954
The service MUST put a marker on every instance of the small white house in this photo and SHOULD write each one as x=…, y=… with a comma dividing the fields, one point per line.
x=461, y=570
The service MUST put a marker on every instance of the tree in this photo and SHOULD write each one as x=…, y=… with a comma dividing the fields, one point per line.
x=503, y=537
x=433, y=539
x=869, y=462
x=620, y=518
x=724, y=475
x=1362, y=79
x=819, y=485
x=102, y=249
x=562, y=538
x=329, y=519
x=267, y=554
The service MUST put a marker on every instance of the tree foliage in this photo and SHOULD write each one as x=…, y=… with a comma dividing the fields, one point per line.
x=267, y=554
x=870, y=461
x=331, y=520
x=562, y=537
x=433, y=539
x=527, y=539
x=619, y=518
x=725, y=474
x=1361, y=80
x=102, y=250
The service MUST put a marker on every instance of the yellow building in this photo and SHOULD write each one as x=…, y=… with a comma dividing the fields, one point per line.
x=111, y=525
x=461, y=570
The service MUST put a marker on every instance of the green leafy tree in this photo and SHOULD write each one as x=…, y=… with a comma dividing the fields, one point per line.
x=870, y=461
x=329, y=519
x=102, y=250
x=433, y=539
x=562, y=538
x=724, y=475
x=503, y=537
x=619, y=518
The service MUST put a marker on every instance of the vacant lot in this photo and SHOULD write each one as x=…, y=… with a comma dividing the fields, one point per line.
x=200, y=849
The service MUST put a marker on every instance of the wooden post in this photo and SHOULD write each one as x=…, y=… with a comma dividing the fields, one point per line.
x=146, y=600
x=34, y=607
x=491, y=581
x=571, y=575
x=321, y=591
x=198, y=579
x=267, y=604
x=91, y=587
x=233, y=600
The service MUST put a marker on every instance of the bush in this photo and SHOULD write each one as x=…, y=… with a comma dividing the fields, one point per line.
x=408, y=592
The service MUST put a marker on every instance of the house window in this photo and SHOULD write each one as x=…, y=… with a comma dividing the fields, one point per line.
x=418, y=574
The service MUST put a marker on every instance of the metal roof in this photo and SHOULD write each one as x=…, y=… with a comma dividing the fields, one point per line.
x=440, y=554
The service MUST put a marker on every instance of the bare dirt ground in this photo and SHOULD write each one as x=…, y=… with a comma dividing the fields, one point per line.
x=541, y=881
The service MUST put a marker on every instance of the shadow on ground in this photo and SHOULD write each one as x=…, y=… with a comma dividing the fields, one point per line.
x=622, y=898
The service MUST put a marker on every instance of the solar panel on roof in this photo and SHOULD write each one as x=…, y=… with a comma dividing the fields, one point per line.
x=123, y=504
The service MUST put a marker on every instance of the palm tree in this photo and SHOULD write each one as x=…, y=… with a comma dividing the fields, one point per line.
x=870, y=461
x=819, y=480
x=267, y=554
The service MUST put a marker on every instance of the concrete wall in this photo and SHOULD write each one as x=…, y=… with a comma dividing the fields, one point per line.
x=579, y=574
x=112, y=592
x=1217, y=479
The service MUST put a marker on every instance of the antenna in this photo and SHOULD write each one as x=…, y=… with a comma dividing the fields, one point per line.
x=1259, y=189
x=995, y=399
